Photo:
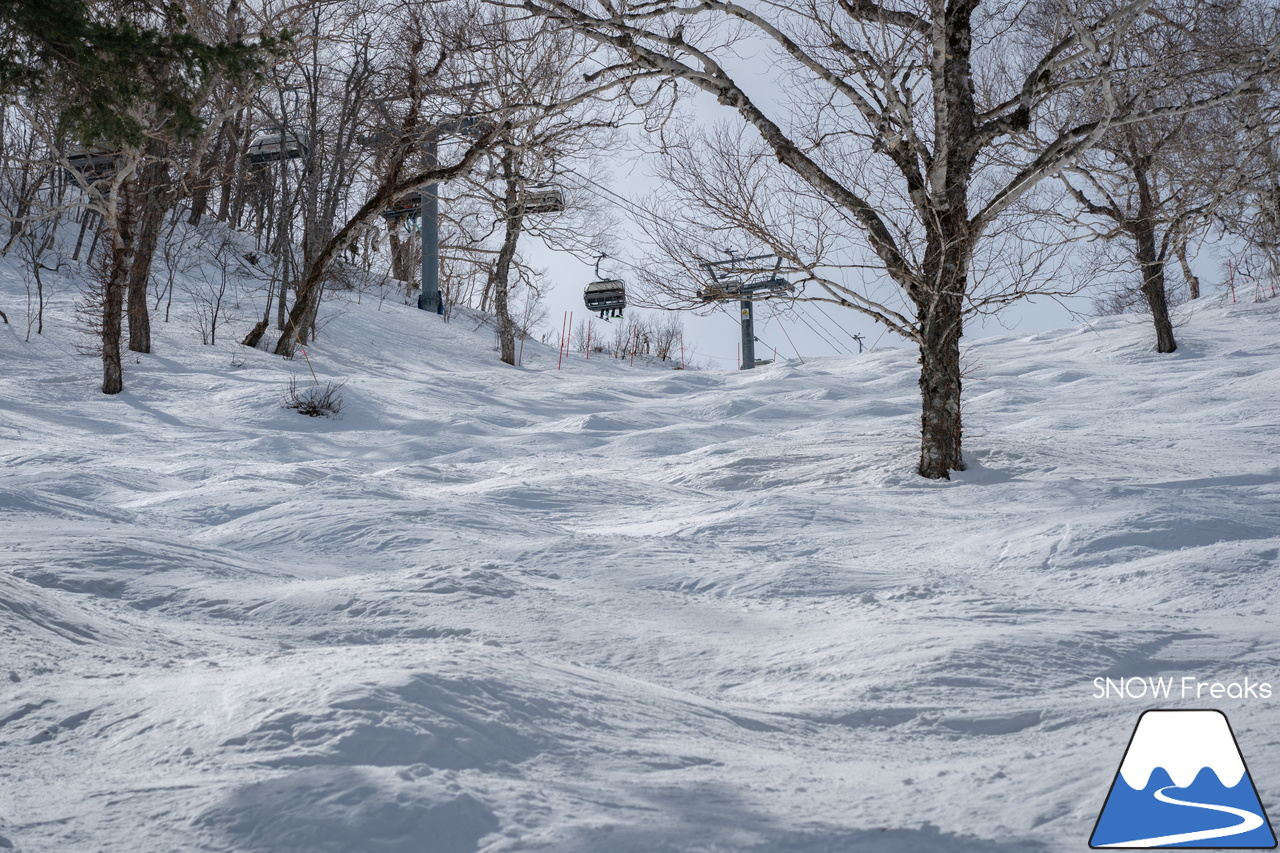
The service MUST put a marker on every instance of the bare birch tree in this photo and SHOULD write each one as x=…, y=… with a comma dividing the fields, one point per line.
x=534, y=81
x=1155, y=185
x=393, y=117
x=1254, y=214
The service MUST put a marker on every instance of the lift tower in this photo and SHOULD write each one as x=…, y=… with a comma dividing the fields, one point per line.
x=730, y=280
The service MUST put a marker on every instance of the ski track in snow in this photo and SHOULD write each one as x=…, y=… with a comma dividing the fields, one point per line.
x=612, y=609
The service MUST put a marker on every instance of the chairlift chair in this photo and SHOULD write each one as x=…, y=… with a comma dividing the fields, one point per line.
x=274, y=147
x=723, y=288
x=405, y=208
x=728, y=282
x=542, y=199
x=94, y=164
x=608, y=297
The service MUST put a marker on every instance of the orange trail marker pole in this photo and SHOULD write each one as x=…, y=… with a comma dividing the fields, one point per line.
x=309, y=367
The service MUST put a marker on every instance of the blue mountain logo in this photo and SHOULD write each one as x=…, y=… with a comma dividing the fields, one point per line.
x=1183, y=783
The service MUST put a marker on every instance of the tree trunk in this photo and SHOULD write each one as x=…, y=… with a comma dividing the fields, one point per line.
x=139, y=279
x=1157, y=300
x=502, y=269
x=284, y=248
x=1193, y=283
x=113, y=297
x=1150, y=261
x=306, y=296
x=941, y=325
x=1153, y=289
x=232, y=176
x=404, y=260
x=152, y=198
x=204, y=178
x=255, y=334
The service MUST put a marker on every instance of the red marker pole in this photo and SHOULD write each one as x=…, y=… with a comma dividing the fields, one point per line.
x=562, y=325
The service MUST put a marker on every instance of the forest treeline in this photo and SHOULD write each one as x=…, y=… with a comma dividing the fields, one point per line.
x=916, y=161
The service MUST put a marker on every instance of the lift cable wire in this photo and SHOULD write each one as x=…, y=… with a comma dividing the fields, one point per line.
x=855, y=338
x=882, y=334
x=826, y=327
x=801, y=318
x=632, y=207
x=783, y=326
x=723, y=307
x=784, y=332
x=828, y=341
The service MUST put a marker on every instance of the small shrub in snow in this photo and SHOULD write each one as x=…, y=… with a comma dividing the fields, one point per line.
x=317, y=401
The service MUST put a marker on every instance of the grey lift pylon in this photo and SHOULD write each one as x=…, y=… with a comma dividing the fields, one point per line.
x=727, y=285
x=465, y=126
x=428, y=212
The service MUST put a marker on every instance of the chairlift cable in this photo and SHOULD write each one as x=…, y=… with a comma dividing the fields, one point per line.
x=567, y=241
x=577, y=246
x=794, y=348
x=835, y=347
x=846, y=332
x=783, y=327
x=632, y=207
x=825, y=327
x=826, y=340
x=855, y=338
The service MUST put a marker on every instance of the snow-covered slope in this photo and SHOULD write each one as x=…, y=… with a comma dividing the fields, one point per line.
x=617, y=609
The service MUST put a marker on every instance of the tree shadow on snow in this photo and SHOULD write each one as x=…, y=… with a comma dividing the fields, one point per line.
x=712, y=818
x=349, y=810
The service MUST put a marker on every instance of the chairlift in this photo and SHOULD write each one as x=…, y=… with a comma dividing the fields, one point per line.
x=465, y=126
x=274, y=147
x=405, y=208
x=94, y=164
x=727, y=282
x=606, y=296
x=722, y=288
x=542, y=198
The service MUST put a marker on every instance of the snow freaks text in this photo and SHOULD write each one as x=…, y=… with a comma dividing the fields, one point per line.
x=1186, y=687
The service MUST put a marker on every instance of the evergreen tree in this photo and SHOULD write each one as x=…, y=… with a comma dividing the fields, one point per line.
x=104, y=67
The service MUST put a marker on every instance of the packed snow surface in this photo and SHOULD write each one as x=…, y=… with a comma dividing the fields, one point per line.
x=612, y=608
